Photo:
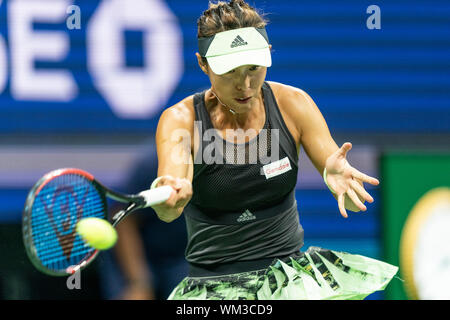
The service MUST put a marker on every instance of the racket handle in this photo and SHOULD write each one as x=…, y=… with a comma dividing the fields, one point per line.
x=156, y=195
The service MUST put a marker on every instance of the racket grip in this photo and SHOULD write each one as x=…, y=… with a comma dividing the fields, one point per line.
x=156, y=195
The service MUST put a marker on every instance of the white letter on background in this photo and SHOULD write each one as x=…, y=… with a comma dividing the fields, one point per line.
x=28, y=45
x=135, y=92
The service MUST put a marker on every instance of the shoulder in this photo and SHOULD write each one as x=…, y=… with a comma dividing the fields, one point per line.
x=295, y=105
x=288, y=97
x=180, y=115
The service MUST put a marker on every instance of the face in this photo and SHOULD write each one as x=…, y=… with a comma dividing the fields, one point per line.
x=240, y=88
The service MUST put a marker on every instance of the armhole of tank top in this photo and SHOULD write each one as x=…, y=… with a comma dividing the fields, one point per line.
x=284, y=127
x=196, y=102
x=199, y=108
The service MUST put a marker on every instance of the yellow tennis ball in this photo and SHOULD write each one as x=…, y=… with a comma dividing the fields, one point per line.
x=97, y=233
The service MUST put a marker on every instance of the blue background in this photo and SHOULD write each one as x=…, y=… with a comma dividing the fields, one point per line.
x=390, y=80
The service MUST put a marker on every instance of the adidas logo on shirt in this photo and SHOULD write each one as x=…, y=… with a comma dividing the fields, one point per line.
x=246, y=216
x=238, y=41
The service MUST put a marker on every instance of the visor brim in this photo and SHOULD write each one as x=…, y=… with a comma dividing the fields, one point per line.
x=225, y=63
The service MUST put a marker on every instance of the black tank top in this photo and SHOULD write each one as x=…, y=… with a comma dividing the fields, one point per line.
x=243, y=206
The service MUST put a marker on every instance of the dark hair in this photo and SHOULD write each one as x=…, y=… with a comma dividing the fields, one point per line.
x=223, y=16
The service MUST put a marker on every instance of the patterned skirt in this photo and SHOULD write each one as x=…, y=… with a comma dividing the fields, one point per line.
x=313, y=275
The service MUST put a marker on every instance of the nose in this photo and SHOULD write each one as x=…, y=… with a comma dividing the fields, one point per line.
x=242, y=80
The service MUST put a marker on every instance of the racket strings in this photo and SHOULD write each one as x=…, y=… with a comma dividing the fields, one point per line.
x=58, y=207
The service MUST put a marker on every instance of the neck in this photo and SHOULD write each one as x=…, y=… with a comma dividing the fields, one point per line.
x=223, y=104
x=228, y=117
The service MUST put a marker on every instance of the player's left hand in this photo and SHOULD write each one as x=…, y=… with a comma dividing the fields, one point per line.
x=346, y=182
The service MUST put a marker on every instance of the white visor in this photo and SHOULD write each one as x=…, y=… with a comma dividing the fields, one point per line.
x=230, y=49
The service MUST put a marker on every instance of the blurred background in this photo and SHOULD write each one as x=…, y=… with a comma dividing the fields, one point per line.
x=88, y=93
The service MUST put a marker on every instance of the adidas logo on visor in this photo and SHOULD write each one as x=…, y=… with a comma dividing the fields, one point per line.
x=246, y=216
x=238, y=41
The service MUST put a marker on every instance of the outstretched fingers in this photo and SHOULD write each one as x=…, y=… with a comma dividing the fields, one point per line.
x=341, y=205
x=346, y=147
x=361, y=191
x=354, y=197
x=364, y=177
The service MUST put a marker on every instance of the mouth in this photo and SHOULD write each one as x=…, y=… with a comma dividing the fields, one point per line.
x=242, y=100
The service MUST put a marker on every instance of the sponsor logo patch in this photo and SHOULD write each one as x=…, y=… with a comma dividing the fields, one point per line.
x=276, y=168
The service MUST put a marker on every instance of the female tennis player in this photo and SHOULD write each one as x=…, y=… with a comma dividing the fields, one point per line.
x=231, y=155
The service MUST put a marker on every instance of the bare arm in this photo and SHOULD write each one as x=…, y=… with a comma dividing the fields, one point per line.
x=306, y=124
x=174, y=136
x=315, y=136
x=313, y=133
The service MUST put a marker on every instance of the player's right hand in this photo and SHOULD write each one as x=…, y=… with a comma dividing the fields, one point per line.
x=181, y=195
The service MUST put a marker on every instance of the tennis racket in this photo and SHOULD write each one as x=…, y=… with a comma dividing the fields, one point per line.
x=54, y=206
